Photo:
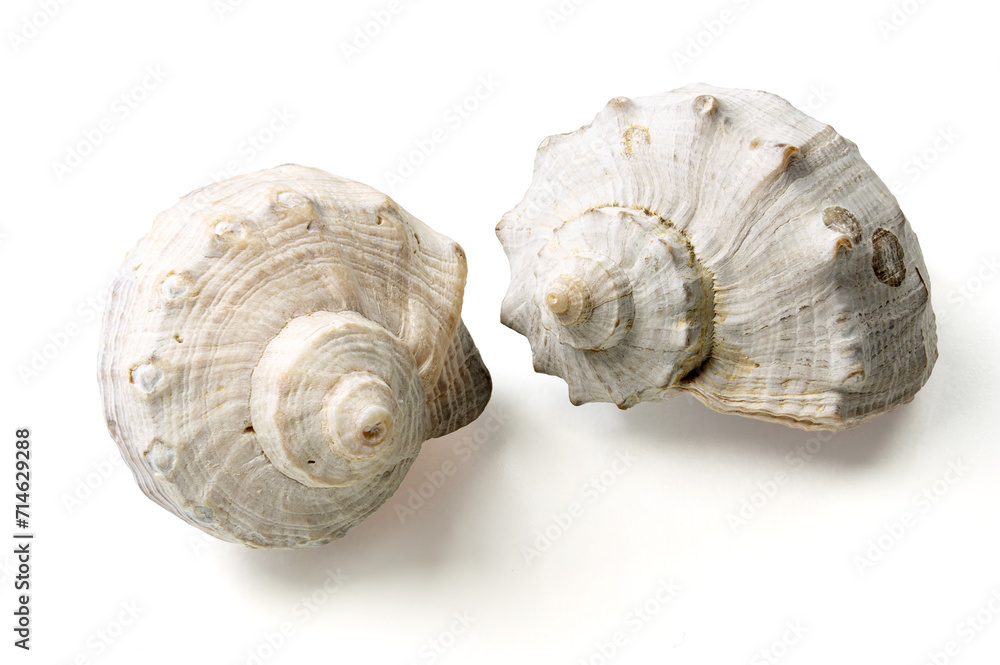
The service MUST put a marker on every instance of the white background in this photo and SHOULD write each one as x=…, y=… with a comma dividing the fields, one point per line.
x=805, y=555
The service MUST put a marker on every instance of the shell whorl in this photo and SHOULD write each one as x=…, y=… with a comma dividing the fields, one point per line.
x=602, y=275
x=276, y=350
x=789, y=286
x=335, y=398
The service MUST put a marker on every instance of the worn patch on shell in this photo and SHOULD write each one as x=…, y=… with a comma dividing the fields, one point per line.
x=843, y=220
x=887, y=257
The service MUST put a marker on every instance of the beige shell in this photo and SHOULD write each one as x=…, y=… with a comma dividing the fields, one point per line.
x=723, y=243
x=277, y=349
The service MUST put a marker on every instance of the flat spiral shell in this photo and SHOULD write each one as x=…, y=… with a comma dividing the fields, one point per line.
x=276, y=350
x=722, y=243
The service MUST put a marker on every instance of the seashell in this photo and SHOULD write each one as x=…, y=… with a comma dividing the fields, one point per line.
x=276, y=350
x=721, y=243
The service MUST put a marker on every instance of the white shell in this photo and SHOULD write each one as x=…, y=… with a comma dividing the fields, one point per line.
x=277, y=349
x=723, y=243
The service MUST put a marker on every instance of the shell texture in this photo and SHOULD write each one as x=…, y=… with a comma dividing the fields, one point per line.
x=276, y=350
x=719, y=242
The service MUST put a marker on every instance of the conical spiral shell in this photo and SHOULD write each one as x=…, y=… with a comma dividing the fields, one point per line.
x=276, y=350
x=770, y=272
